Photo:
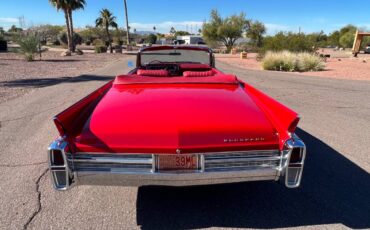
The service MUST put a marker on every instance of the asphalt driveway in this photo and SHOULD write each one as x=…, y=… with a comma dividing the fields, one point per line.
x=335, y=190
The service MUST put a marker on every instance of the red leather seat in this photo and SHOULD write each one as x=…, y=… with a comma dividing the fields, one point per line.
x=157, y=73
x=198, y=73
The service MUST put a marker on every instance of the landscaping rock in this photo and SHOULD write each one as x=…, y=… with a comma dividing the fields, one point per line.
x=79, y=52
x=66, y=53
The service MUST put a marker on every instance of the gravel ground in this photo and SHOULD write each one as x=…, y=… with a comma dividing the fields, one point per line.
x=18, y=77
x=340, y=66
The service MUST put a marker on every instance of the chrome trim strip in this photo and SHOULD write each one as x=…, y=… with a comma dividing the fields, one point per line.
x=296, y=168
x=59, y=145
x=174, y=179
x=117, y=161
x=244, y=159
x=141, y=169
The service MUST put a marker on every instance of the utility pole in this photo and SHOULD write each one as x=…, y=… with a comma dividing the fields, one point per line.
x=127, y=27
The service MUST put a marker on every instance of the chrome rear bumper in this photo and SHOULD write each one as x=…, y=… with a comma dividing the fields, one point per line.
x=142, y=169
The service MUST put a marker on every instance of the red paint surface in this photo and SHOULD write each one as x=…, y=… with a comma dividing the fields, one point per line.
x=139, y=114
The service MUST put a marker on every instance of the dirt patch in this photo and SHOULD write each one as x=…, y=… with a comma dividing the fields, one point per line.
x=18, y=77
x=340, y=65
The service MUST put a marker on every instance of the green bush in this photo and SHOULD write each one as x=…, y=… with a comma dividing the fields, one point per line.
x=56, y=42
x=77, y=39
x=295, y=42
x=152, y=39
x=346, y=41
x=289, y=61
x=28, y=46
x=117, y=41
x=100, y=49
x=79, y=52
x=98, y=42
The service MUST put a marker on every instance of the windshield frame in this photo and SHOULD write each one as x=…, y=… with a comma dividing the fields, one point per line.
x=171, y=48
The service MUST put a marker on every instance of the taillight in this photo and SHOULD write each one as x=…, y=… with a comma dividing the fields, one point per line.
x=56, y=158
x=296, y=156
x=62, y=178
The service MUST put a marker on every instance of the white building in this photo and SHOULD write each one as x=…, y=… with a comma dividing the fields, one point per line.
x=190, y=39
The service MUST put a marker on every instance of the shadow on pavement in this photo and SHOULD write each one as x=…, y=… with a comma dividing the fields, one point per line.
x=334, y=190
x=44, y=82
x=59, y=60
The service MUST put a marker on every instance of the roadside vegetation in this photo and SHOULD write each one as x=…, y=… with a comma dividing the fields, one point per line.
x=233, y=33
x=106, y=20
x=225, y=30
x=290, y=61
x=68, y=6
x=29, y=46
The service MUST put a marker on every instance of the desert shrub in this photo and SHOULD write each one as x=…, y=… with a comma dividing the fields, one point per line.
x=152, y=39
x=98, y=42
x=100, y=49
x=289, y=61
x=79, y=52
x=309, y=62
x=77, y=39
x=279, y=61
x=117, y=41
x=56, y=42
x=28, y=46
x=295, y=42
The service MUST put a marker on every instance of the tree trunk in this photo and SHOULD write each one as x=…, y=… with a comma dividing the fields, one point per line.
x=127, y=27
x=110, y=42
x=69, y=40
x=73, y=45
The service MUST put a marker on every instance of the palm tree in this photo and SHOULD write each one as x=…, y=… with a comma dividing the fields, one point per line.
x=107, y=20
x=127, y=27
x=74, y=5
x=154, y=28
x=68, y=6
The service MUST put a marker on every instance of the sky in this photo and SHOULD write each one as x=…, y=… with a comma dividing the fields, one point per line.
x=282, y=15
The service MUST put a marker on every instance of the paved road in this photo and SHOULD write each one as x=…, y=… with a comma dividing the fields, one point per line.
x=335, y=191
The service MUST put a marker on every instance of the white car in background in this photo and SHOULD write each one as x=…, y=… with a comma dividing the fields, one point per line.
x=367, y=49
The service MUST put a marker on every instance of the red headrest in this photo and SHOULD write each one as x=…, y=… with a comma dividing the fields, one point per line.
x=157, y=73
x=198, y=73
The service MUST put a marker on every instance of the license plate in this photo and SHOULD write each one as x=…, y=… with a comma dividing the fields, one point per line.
x=177, y=162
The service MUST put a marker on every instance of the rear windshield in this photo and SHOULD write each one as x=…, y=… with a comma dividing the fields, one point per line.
x=175, y=56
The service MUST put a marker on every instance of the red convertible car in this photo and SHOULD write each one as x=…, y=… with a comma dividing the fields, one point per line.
x=176, y=120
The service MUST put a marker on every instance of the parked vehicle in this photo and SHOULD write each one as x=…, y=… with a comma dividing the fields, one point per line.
x=179, y=42
x=367, y=49
x=176, y=120
x=190, y=40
